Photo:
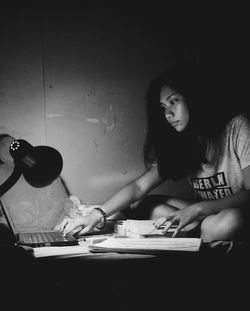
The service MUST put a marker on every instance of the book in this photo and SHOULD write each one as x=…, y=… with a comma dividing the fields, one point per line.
x=61, y=251
x=143, y=228
x=147, y=245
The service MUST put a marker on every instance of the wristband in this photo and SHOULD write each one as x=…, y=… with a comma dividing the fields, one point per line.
x=103, y=221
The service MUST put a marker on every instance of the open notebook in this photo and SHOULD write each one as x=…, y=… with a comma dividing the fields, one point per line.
x=38, y=238
x=147, y=245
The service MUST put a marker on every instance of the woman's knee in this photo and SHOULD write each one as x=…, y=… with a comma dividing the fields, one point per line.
x=161, y=210
x=164, y=205
x=149, y=207
x=226, y=225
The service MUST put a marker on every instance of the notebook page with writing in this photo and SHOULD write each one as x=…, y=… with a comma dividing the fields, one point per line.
x=128, y=244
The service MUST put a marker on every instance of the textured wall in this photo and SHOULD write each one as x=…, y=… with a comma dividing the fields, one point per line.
x=75, y=78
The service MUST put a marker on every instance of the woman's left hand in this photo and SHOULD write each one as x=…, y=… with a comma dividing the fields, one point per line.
x=182, y=217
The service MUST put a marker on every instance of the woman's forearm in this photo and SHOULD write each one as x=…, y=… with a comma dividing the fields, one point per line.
x=133, y=191
x=122, y=199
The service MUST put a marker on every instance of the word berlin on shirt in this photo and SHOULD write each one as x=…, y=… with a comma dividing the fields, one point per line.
x=210, y=188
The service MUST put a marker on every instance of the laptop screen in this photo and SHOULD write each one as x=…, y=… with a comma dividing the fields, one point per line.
x=38, y=238
x=8, y=218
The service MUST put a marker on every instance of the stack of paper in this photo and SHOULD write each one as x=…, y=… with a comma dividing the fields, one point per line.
x=49, y=251
x=148, y=245
x=142, y=228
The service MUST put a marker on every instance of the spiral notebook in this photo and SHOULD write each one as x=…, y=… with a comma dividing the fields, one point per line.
x=37, y=238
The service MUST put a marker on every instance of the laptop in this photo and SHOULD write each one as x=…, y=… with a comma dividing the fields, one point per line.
x=37, y=238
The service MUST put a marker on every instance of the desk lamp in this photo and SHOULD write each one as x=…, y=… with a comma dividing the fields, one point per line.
x=39, y=165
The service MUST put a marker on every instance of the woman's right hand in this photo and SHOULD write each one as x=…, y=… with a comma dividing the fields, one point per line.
x=81, y=224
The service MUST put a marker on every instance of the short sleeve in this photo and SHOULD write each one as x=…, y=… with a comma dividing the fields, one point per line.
x=242, y=140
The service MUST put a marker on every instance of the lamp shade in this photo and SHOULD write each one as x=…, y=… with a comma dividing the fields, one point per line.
x=40, y=165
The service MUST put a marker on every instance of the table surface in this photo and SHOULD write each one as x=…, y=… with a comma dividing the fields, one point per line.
x=125, y=280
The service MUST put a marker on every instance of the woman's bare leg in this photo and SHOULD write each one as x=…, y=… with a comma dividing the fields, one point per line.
x=224, y=226
x=168, y=206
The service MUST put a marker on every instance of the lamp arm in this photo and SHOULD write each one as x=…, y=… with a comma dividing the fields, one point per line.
x=13, y=178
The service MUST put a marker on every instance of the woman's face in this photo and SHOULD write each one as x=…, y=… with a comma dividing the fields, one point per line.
x=175, y=108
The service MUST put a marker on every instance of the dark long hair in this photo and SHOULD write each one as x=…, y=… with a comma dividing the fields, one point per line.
x=180, y=153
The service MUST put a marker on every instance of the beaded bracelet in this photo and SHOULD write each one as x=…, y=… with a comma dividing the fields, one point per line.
x=103, y=221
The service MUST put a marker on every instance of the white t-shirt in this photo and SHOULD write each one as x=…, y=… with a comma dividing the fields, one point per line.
x=216, y=181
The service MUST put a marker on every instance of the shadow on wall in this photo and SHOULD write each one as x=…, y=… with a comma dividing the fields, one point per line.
x=31, y=208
